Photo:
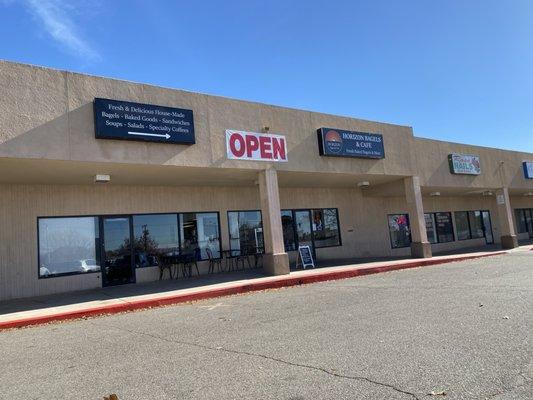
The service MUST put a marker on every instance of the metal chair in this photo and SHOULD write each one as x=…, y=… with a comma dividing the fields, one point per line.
x=213, y=262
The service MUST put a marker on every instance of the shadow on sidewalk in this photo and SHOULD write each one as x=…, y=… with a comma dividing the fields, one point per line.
x=169, y=285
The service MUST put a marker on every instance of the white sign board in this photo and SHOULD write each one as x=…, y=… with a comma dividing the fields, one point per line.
x=255, y=146
x=305, y=257
x=464, y=164
x=500, y=199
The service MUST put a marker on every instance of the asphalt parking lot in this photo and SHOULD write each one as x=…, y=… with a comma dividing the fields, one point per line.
x=461, y=329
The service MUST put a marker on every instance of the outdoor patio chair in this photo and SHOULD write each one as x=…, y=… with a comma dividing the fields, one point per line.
x=213, y=262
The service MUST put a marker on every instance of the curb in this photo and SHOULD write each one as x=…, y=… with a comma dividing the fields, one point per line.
x=244, y=288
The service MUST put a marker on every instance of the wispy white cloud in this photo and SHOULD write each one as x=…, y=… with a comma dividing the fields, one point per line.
x=58, y=23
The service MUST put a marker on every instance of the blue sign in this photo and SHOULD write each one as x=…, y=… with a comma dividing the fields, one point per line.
x=528, y=169
x=339, y=143
x=115, y=119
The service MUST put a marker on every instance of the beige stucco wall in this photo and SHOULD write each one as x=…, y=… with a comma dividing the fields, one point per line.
x=363, y=221
x=49, y=155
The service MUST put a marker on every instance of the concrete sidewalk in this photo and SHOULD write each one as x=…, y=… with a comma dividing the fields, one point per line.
x=38, y=310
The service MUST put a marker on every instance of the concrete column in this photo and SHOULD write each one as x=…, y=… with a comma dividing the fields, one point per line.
x=275, y=259
x=505, y=219
x=420, y=247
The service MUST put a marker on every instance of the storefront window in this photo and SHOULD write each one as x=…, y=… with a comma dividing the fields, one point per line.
x=198, y=232
x=303, y=227
x=289, y=236
x=246, y=231
x=325, y=227
x=462, y=226
x=476, y=224
x=444, y=227
x=154, y=235
x=521, y=222
x=68, y=246
x=399, y=230
x=430, y=228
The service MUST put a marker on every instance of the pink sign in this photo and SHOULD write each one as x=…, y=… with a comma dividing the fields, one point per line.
x=255, y=146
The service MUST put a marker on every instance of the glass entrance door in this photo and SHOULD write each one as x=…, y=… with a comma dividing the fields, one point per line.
x=302, y=221
x=487, y=227
x=529, y=221
x=117, y=265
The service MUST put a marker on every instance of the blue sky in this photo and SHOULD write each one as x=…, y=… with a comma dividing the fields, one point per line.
x=453, y=70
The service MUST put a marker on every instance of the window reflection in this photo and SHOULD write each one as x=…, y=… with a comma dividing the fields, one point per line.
x=325, y=227
x=287, y=223
x=200, y=231
x=68, y=245
x=399, y=230
x=155, y=235
x=246, y=231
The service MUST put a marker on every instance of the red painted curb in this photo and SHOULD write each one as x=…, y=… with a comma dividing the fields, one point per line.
x=244, y=288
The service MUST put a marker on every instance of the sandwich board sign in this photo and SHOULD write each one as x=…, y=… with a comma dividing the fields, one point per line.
x=305, y=257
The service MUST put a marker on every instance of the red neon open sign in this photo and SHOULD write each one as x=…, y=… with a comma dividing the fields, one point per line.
x=255, y=146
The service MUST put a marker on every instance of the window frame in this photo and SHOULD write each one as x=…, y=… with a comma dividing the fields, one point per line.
x=219, y=232
x=98, y=249
x=450, y=213
x=99, y=218
x=469, y=226
x=240, y=211
x=309, y=210
x=390, y=233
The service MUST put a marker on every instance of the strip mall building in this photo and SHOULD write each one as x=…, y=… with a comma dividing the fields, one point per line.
x=204, y=174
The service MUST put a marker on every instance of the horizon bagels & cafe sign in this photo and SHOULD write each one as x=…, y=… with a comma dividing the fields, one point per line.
x=253, y=146
x=124, y=120
x=464, y=164
x=341, y=143
x=528, y=169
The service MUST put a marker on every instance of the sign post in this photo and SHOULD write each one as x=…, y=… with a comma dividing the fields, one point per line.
x=305, y=257
x=114, y=119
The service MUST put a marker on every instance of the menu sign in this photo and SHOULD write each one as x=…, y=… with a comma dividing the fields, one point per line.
x=114, y=119
x=305, y=257
x=464, y=164
x=340, y=143
x=528, y=169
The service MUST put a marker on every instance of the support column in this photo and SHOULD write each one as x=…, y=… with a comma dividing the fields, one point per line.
x=275, y=259
x=420, y=246
x=505, y=218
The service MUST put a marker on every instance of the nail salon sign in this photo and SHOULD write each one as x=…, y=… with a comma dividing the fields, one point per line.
x=464, y=164
x=255, y=146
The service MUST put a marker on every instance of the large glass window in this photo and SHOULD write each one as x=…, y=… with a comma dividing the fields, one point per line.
x=521, y=222
x=302, y=220
x=399, y=230
x=246, y=231
x=430, y=227
x=289, y=236
x=461, y=225
x=68, y=246
x=476, y=224
x=444, y=227
x=317, y=227
x=200, y=231
x=154, y=235
x=325, y=227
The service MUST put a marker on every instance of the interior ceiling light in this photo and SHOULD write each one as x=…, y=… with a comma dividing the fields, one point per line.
x=487, y=193
x=363, y=184
x=434, y=194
